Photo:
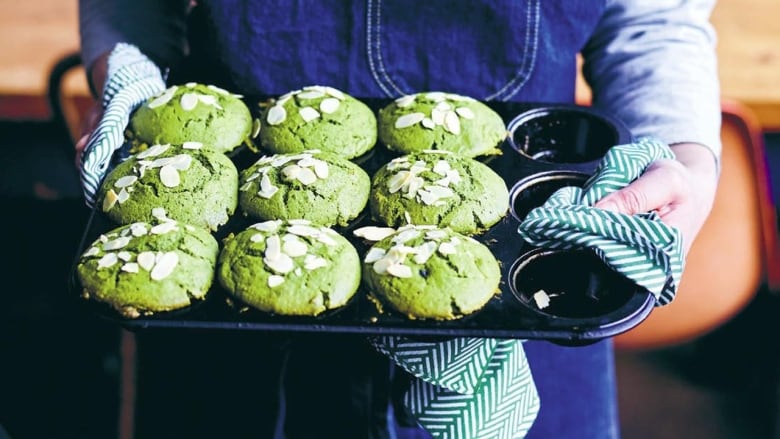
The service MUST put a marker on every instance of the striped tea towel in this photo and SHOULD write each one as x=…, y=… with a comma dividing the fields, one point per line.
x=131, y=79
x=640, y=247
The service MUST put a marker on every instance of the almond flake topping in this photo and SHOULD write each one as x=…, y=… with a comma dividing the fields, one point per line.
x=282, y=264
x=116, y=244
x=408, y=120
x=164, y=266
x=435, y=96
x=108, y=260
x=446, y=248
x=273, y=247
x=169, y=176
x=424, y=252
x=313, y=94
x=192, y=145
x=146, y=260
x=163, y=228
x=542, y=299
x=405, y=101
x=189, y=101
x=268, y=226
x=221, y=91
x=374, y=254
x=465, y=112
x=400, y=270
x=406, y=236
x=275, y=280
x=308, y=114
x=276, y=115
x=130, y=267
x=159, y=213
x=153, y=151
x=338, y=94
x=110, y=200
x=373, y=233
x=295, y=247
x=299, y=222
x=93, y=251
x=125, y=256
x=163, y=98
x=209, y=100
x=256, y=128
x=428, y=123
x=190, y=84
x=267, y=189
x=452, y=123
x=329, y=105
x=125, y=181
x=257, y=237
x=313, y=262
x=138, y=229
x=123, y=196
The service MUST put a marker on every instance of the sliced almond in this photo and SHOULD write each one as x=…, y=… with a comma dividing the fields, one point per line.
x=221, y=91
x=191, y=84
x=181, y=162
x=192, y=145
x=329, y=105
x=116, y=244
x=291, y=172
x=123, y=196
x=400, y=270
x=275, y=280
x=443, y=106
x=93, y=251
x=437, y=116
x=273, y=248
x=405, y=101
x=267, y=189
x=268, y=226
x=282, y=264
x=441, y=167
x=209, y=100
x=257, y=237
x=424, y=252
x=435, y=234
x=295, y=247
x=303, y=230
x=125, y=256
x=405, y=236
x=435, y=96
x=163, y=228
x=308, y=114
x=452, y=123
x=465, y=112
x=130, y=267
x=276, y=115
x=313, y=262
x=189, y=101
x=153, y=151
x=163, y=98
x=542, y=299
x=110, y=200
x=306, y=176
x=338, y=94
x=446, y=248
x=165, y=266
x=159, y=213
x=299, y=222
x=321, y=169
x=146, y=260
x=373, y=233
x=374, y=254
x=428, y=123
x=408, y=120
x=380, y=266
x=108, y=260
x=169, y=176
x=125, y=181
x=138, y=229
x=311, y=94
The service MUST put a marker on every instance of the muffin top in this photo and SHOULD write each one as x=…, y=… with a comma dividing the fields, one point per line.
x=313, y=185
x=193, y=185
x=192, y=112
x=439, y=188
x=142, y=268
x=441, y=121
x=289, y=267
x=425, y=272
x=318, y=117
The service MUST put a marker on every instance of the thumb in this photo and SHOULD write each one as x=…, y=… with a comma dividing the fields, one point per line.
x=657, y=188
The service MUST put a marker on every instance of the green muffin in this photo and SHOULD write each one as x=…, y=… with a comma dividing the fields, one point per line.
x=312, y=185
x=426, y=272
x=318, y=117
x=438, y=188
x=441, y=121
x=193, y=112
x=195, y=186
x=140, y=268
x=289, y=268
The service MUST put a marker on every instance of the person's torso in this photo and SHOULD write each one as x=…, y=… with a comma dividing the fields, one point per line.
x=523, y=50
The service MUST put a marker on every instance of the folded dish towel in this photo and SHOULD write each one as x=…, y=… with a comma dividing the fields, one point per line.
x=131, y=79
x=640, y=247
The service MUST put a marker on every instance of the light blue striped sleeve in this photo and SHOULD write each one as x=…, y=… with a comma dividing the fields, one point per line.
x=653, y=64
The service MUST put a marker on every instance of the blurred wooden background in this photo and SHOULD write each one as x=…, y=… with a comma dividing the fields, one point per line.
x=35, y=34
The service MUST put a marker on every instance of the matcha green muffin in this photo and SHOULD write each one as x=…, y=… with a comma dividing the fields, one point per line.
x=426, y=272
x=312, y=185
x=193, y=112
x=193, y=185
x=438, y=188
x=443, y=121
x=289, y=268
x=140, y=268
x=318, y=117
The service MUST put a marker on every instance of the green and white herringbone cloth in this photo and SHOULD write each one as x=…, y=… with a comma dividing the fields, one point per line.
x=640, y=246
x=475, y=388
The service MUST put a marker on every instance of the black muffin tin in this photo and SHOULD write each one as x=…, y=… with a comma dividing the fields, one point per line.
x=548, y=147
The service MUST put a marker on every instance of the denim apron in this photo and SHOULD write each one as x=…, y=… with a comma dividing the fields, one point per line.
x=521, y=50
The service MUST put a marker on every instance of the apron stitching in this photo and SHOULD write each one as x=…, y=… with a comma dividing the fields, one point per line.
x=533, y=51
x=370, y=36
x=525, y=67
x=378, y=30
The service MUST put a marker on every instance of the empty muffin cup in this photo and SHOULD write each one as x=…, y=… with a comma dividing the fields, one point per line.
x=534, y=190
x=568, y=284
x=564, y=134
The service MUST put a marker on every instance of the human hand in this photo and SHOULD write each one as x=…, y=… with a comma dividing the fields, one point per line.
x=681, y=191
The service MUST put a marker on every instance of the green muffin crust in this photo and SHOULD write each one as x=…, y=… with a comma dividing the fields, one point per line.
x=192, y=112
x=438, y=188
x=318, y=117
x=320, y=187
x=289, y=268
x=442, y=121
x=425, y=272
x=140, y=268
x=195, y=186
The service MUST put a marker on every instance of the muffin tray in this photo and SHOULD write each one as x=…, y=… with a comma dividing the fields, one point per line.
x=548, y=147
